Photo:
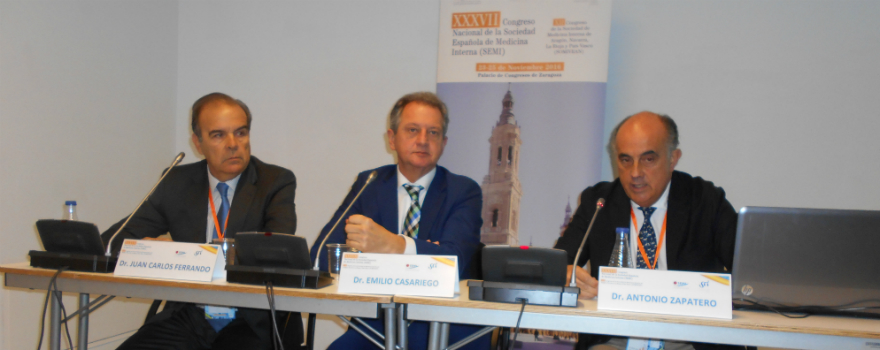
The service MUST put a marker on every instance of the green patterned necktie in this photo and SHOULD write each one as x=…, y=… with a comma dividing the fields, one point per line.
x=411, y=223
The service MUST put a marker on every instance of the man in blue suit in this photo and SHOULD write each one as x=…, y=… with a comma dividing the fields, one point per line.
x=414, y=207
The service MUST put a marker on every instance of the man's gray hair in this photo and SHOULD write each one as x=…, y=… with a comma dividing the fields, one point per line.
x=671, y=134
x=424, y=97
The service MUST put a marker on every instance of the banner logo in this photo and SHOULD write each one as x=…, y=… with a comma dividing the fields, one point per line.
x=476, y=20
x=725, y=280
x=446, y=261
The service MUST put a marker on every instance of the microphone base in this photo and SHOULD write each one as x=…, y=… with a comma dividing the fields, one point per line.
x=73, y=261
x=535, y=294
x=280, y=277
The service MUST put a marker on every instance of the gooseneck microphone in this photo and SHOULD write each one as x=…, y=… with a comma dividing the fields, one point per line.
x=599, y=204
x=174, y=163
x=318, y=256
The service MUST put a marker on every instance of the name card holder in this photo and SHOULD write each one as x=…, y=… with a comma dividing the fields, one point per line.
x=398, y=274
x=170, y=260
x=665, y=292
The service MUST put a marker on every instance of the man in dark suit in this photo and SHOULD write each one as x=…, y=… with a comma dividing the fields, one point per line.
x=690, y=224
x=414, y=207
x=226, y=193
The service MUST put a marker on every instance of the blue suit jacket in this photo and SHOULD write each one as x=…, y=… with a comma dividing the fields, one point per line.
x=450, y=214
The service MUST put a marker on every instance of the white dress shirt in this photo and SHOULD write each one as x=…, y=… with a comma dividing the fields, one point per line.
x=404, y=201
x=212, y=181
x=657, y=221
x=657, y=217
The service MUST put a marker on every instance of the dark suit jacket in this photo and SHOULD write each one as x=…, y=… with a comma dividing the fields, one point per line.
x=700, y=226
x=451, y=214
x=263, y=201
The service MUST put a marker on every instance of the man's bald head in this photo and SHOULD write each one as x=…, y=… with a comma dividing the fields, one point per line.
x=669, y=125
x=645, y=148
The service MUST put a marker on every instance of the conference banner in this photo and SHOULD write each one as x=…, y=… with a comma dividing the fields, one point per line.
x=524, y=82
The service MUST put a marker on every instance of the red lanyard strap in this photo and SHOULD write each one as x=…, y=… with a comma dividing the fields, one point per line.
x=220, y=234
x=642, y=248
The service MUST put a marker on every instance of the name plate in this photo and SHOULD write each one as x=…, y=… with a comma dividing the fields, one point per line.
x=170, y=260
x=665, y=292
x=398, y=274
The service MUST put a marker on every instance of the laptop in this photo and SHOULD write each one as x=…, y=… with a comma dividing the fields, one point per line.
x=808, y=260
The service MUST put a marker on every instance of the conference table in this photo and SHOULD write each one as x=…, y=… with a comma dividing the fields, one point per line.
x=754, y=328
x=218, y=292
x=746, y=328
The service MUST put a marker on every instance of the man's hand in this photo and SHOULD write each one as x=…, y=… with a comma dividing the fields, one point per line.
x=369, y=237
x=166, y=238
x=589, y=286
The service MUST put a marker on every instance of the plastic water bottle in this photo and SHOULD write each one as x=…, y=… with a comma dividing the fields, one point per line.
x=69, y=211
x=620, y=254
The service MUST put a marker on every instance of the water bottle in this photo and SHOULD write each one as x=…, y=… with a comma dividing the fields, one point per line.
x=620, y=255
x=69, y=211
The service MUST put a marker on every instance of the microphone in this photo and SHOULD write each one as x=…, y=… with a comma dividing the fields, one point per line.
x=110, y=242
x=318, y=255
x=599, y=204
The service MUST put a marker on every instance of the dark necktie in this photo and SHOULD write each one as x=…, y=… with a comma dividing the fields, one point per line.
x=648, y=239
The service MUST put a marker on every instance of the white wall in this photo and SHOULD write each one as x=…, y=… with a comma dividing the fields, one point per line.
x=319, y=78
x=87, y=98
x=775, y=100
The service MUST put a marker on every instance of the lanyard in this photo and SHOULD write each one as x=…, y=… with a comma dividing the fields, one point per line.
x=659, y=244
x=220, y=234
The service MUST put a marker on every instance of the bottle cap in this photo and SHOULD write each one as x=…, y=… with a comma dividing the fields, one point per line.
x=70, y=203
x=622, y=229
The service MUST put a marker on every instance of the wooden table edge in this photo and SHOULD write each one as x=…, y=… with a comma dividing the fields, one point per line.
x=26, y=269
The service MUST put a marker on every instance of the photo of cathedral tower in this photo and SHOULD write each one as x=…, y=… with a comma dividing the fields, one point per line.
x=567, y=219
x=556, y=131
x=501, y=187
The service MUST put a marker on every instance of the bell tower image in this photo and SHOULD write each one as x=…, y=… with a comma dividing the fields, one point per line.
x=501, y=187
